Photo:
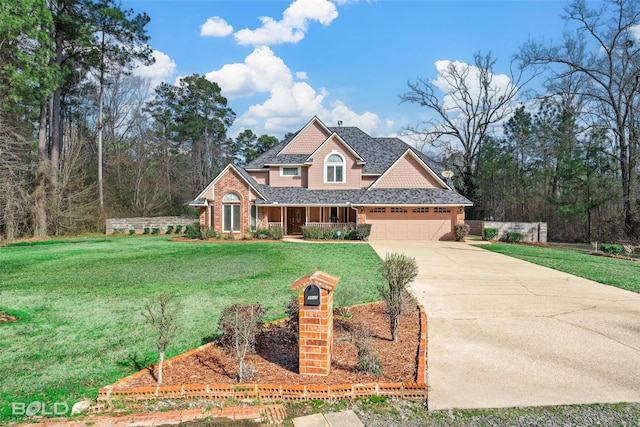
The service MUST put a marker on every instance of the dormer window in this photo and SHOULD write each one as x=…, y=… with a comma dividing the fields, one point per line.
x=289, y=171
x=334, y=168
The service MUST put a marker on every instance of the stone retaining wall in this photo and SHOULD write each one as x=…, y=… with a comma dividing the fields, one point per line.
x=139, y=224
x=531, y=231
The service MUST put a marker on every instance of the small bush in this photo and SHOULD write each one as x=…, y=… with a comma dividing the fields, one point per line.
x=146, y=230
x=240, y=326
x=261, y=233
x=311, y=233
x=132, y=231
x=344, y=298
x=169, y=229
x=461, y=231
x=208, y=233
x=118, y=230
x=363, y=231
x=155, y=231
x=229, y=236
x=277, y=233
x=611, y=248
x=292, y=311
x=368, y=360
x=489, y=233
x=513, y=237
x=178, y=228
x=193, y=231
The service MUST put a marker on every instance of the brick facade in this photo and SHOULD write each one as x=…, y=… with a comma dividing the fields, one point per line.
x=232, y=182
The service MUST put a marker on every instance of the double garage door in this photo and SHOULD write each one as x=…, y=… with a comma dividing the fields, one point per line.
x=410, y=225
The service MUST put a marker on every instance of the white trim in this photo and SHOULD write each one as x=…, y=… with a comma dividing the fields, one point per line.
x=297, y=168
x=343, y=165
x=419, y=160
x=315, y=119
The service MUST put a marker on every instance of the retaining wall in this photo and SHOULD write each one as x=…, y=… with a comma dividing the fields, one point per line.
x=139, y=224
x=531, y=231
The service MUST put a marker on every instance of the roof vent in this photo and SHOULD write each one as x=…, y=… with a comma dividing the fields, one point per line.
x=339, y=123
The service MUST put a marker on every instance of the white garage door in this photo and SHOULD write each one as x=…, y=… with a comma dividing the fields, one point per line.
x=410, y=226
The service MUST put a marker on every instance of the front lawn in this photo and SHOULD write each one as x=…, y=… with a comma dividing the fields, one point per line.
x=610, y=271
x=79, y=302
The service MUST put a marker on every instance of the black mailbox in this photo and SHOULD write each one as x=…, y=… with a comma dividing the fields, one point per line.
x=312, y=295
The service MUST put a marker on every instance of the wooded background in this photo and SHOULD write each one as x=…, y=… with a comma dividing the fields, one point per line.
x=81, y=139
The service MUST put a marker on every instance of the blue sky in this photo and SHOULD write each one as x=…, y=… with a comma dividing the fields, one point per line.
x=279, y=63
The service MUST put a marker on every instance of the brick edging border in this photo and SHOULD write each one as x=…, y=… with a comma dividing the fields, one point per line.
x=277, y=392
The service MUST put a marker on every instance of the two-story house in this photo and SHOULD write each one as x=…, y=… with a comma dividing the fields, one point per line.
x=338, y=175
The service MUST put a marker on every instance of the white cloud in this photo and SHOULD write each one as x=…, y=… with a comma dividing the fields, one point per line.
x=301, y=75
x=160, y=71
x=293, y=26
x=216, y=27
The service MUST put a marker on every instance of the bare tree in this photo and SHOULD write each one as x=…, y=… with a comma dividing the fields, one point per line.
x=398, y=270
x=600, y=49
x=473, y=99
x=162, y=314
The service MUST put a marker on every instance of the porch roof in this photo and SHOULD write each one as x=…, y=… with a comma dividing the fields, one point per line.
x=383, y=196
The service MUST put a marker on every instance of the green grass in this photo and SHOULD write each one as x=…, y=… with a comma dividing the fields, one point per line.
x=610, y=271
x=79, y=302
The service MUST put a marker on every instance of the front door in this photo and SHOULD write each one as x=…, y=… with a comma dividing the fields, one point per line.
x=296, y=218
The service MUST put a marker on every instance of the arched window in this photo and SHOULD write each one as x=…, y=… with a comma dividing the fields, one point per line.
x=231, y=213
x=334, y=168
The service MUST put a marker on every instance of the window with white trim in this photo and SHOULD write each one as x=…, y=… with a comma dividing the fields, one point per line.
x=377, y=210
x=421, y=210
x=442, y=210
x=398, y=210
x=231, y=213
x=334, y=168
x=289, y=171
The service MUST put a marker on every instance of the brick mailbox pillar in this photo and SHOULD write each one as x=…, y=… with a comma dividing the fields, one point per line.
x=315, y=300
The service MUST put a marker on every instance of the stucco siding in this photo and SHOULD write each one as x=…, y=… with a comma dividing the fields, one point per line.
x=408, y=173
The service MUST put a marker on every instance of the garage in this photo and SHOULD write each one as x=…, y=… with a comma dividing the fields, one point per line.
x=410, y=223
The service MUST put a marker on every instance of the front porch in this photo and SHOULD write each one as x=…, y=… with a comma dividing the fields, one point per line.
x=293, y=218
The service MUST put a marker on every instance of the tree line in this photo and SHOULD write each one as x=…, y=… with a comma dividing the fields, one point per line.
x=82, y=139
x=567, y=154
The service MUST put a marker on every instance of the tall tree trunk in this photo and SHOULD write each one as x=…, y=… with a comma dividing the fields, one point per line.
x=40, y=194
x=161, y=359
x=100, y=182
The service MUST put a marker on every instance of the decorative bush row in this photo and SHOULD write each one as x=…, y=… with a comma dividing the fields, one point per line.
x=361, y=232
x=274, y=232
x=611, y=248
x=513, y=237
x=147, y=230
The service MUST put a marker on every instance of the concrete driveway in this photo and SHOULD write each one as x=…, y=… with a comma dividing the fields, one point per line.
x=504, y=332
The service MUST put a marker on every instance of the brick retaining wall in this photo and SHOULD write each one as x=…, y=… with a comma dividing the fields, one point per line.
x=139, y=224
x=531, y=231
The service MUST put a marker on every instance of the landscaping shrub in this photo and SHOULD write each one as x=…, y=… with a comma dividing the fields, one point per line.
x=146, y=230
x=398, y=270
x=178, y=228
x=611, y=248
x=489, y=233
x=207, y=233
x=311, y=233
x=513, y=237
x=193, y=231
x=368, y=360
x=261, y=233
x=363, y=231
x=132, y=231
x=240, y=325
x=344, y=298
x=276, y=232
x=118, y=230
x=461, y=231
x=155, y=231
x=292, y=311
x=169, y=229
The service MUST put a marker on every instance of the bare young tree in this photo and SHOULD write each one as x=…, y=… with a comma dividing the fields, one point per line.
x=466, y=101
x=162, y=314
x=601, y=49
x=398, y=270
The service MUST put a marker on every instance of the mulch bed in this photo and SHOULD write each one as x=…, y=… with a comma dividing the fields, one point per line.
x=276, y=361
